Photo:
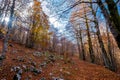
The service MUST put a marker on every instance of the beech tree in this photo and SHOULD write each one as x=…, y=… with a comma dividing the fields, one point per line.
x=89, y=38
x=5, y=41
x=78, y=16
x=38, y=35
x=112, y=16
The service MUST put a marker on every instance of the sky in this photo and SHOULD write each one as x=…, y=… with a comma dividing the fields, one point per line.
x=53, y=9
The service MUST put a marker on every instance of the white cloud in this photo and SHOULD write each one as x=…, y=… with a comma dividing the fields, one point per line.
x=56, y=23
x=51, y=11
x=44, y=7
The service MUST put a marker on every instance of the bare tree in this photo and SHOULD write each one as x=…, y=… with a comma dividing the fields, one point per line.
x=89, y=38
x=5, y=42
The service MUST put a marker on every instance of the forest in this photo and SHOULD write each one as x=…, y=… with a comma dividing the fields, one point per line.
x=59, y=39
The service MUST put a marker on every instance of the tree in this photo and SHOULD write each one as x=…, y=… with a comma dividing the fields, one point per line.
x=113, y=19
x=7, y=36
x=112, y=58
x=106, y=60
x=89, y=38
x=82, y=46
x=39, y=34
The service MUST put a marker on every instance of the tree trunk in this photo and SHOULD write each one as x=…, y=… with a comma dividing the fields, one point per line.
x=92, y=57
x=104, y=53
x=113, y=18
x=112, y=59
x=82, y=46
x=7, y=36
x=78, y=44
x=112, y=7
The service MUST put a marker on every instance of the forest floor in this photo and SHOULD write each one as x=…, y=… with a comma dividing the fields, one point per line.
x=50, y=69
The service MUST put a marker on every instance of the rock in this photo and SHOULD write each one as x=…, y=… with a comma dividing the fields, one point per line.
x=51, y=58
x=57, y=78
x=20, y=72
x=17, y=77
x=25, y=68
x=61, y=79
x=38, y=54
x=20, y=59
x=48, y=61
x=33, y=63
x=32, y=68
x=43, y=64
x=35, y=70
x=43, y=78
x=16, y=68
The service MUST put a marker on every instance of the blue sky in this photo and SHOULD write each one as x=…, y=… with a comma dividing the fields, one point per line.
x=54, y=9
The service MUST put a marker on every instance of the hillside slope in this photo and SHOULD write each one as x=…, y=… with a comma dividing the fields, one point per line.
x=49, y=67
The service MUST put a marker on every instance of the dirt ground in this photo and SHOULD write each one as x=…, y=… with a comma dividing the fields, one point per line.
x=74, y=69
